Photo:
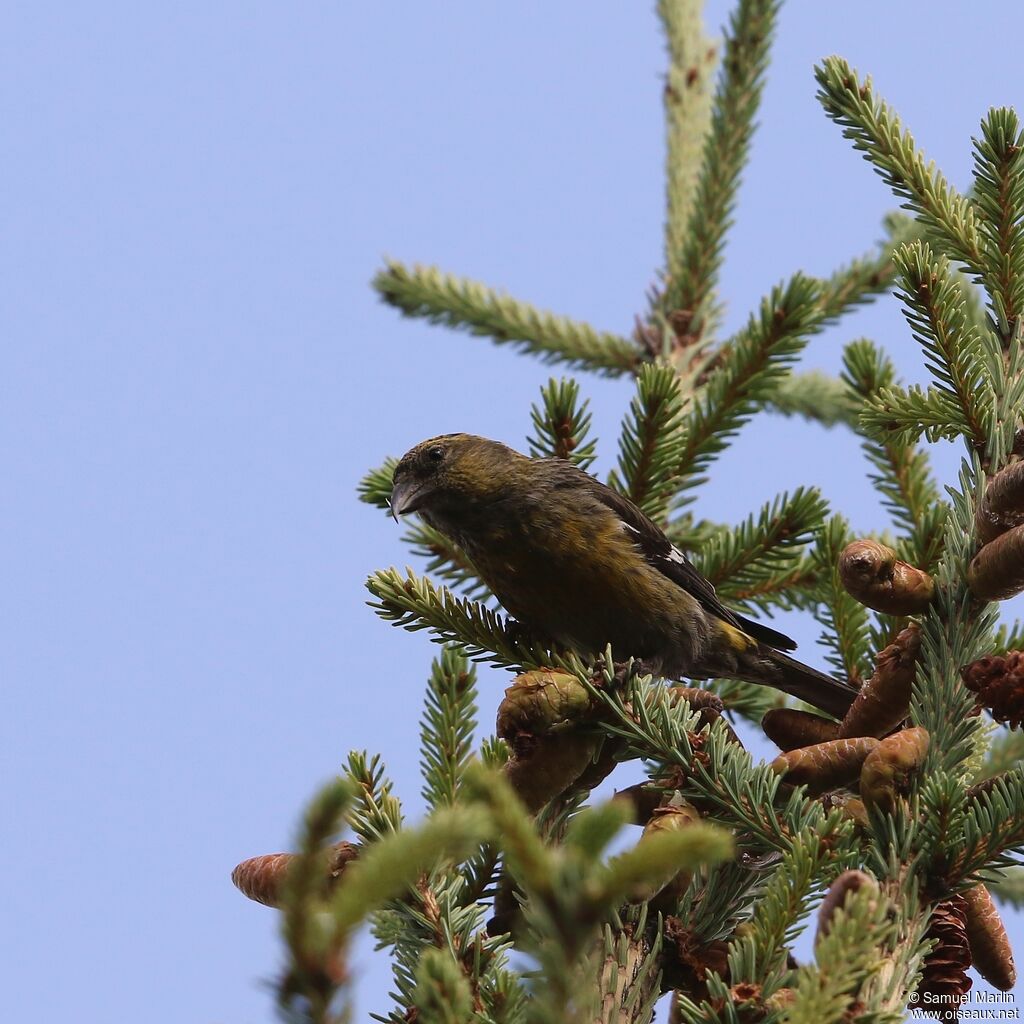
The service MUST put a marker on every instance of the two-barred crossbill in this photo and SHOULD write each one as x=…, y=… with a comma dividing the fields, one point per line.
x=581, y=566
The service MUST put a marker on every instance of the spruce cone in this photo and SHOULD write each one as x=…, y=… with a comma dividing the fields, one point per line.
x=540, y=700
x=672, y=818
x=873, y=574
x=997, y=571
x=847, y=882
x=536, y=719
x=990, y=945
x=944, y=983
x=542, y=767
x=262, y=878
x=687, y=961
x=887, y=770
x=1002, y=508
x=884, y=699
x=790, y=729
x=825, y=765
x=999, y=683
x=642, y=799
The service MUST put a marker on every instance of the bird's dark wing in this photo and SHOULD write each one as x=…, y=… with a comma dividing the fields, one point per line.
x=661, y=553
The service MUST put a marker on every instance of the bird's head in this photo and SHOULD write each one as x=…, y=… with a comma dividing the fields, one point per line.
x=451, y=474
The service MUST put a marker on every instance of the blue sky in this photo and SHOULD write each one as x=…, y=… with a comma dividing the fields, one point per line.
x=197, y=373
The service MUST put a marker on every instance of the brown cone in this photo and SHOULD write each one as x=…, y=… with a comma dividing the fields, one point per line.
x=944, y=983
x=873, y=574
x=791, y=729
x=825, y=765
x=887, y=771
x=1002, y=508
x=839, y=890
x=542, y=767
x=885, y=697
x=672, y=818
x=997, y=571
x=262, y=878
x=990, y=945
x=999, y=683
x=540, y=700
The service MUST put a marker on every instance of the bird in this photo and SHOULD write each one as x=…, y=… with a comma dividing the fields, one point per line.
x=580, y=566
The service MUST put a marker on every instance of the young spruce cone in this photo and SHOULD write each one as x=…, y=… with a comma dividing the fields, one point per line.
x=944, y=983
x=999, y=683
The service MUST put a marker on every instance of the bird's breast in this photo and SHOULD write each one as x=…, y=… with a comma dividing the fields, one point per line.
x=583, y=584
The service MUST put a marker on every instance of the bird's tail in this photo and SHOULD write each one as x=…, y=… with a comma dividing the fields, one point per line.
x=826, y=693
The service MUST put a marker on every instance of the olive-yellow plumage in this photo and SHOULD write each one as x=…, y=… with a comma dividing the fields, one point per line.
x=582, y=566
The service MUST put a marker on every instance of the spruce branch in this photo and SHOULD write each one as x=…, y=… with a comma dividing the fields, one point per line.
x=376, y=486
x=561, y=424
x=765, y=548
x=689, y=297
x=902, y=473
x=391, y=866
x=999, y=196
x=629, y=970
x=910, y=413
x=954, y=632
x=864, y=963
x=872, y=274
x=316, y=975
x=447, y=727
x=934, y=308
x=463, y=304
x=651, y=442
x=445, y=559
x=525, y=852
x=758, y=957
x=844, y=958
x=415, y=603
x=1007, y=373
x=1009, y=888
x=375, y=811
x=759, y=355
x=687, y=100
x=788, y=588
x=439, y=912
x=993, y=833
x=442, y=994
x=1005, y=751
x=875, y=130
x=714, y=772
x=844, y=618
x=814, y=395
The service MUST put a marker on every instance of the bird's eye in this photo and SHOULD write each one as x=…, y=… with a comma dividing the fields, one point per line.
x=436, y=453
